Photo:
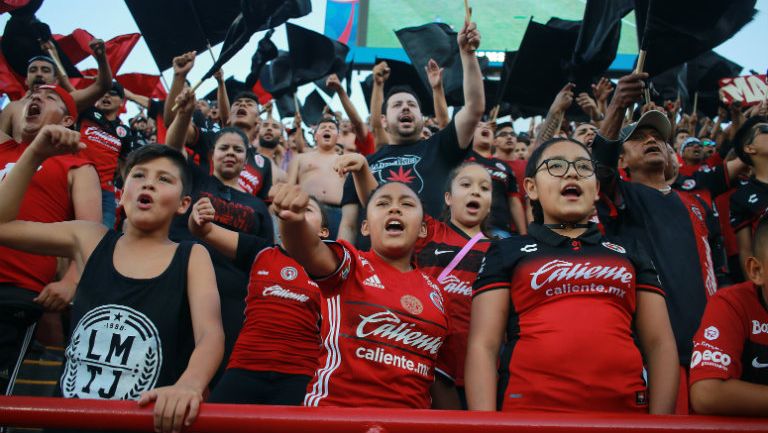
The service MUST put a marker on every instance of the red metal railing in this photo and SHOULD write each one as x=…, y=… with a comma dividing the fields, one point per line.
x=126, y=415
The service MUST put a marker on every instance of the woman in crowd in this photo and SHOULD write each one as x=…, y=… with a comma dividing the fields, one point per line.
x=569, y=301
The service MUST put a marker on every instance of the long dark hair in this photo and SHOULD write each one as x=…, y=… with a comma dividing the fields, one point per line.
x=533, y=164
x=445, y=216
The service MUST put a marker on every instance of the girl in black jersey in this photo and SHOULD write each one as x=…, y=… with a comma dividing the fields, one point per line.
x=146, y=322
x=569, y=301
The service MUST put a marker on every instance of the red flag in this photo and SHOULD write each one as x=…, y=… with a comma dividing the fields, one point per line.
x=118, y=49
x=263, y=95
x=9, y=5
x=10, y=82
x=75, y=45
x=143, y=84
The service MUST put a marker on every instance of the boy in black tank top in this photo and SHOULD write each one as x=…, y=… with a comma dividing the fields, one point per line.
x=140, y=293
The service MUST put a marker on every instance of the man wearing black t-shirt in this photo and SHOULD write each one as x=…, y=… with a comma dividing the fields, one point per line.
x=507, y=215
x=422, y=164
x=669, y=225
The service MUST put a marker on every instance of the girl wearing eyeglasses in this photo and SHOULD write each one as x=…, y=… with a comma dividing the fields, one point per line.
x=566, y=303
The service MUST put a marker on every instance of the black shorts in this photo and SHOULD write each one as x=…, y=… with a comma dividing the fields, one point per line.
x=239, y=386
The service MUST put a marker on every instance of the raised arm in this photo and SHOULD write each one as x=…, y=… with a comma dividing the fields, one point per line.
x=56, y=239
x=299, y=239
x=356, y=164
x=136, y=98
x=181, y=66
x=360, y=128
x=555, y=115
x=474, y=94
x=628, y=91
x=177, y=133
x=435, y=75
x=61, y=74
x=87, y=97
x=380, y=75
x=222, y=98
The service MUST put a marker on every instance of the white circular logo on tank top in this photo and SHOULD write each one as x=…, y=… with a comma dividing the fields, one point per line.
x=115, y=353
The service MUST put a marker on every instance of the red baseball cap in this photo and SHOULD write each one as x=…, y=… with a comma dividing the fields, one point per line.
x=65, y=96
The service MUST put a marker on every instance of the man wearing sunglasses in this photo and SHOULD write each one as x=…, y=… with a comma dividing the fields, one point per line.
x=109, y=141
x=751, y=199
x=669, y=225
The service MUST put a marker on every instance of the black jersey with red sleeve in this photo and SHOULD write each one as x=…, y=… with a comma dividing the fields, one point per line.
x=256, y=177
x=382, y=330
x=672, y=229
x=572, y=304
x=433, y=254
x=706, y=182
x=282, y=313
x=747, y=204
x=107, y=141
x=732, y=341
x=504, y=186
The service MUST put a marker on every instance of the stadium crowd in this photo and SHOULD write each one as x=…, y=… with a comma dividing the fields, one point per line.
x=204, y=251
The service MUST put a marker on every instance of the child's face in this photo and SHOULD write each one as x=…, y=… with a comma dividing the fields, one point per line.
x=152, y=194
x=228, y=156
x=395, y=220
x=568, y=197
x=470, y=196
x=315, y=219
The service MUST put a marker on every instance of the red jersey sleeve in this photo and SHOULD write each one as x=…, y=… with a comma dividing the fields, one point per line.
x=347, y=255
x=719, y=342
x=367, y=146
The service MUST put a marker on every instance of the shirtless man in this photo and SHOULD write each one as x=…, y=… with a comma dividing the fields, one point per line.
x=42, y=70
x=314, y=171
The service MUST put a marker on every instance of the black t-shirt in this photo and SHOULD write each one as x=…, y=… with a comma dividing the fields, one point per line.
x=672, y=229
x=504, y=186
x=423, y=165
x=747, y=204
x=238, y=211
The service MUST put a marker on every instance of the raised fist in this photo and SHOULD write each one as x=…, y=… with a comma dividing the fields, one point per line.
x=53, y=140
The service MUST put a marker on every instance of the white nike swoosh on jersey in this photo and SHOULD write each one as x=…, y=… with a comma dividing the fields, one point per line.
x=438, y=252
x=757, y=364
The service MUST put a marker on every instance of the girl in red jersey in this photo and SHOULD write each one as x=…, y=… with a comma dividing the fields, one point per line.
x=383, y=321
x=569, y=301
x=276, y=351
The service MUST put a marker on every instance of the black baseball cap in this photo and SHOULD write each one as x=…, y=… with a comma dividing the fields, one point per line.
x=118, y=88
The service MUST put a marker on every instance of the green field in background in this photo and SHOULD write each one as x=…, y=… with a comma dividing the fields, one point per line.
x=501, y=22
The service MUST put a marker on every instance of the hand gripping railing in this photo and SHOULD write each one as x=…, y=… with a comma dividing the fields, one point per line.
x=220, y=418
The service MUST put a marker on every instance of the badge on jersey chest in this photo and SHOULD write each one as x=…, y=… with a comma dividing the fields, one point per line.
x=115, y=353
x=399, y=169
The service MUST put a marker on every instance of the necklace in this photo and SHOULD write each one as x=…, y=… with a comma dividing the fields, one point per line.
x=567, y=226
x=665, y=189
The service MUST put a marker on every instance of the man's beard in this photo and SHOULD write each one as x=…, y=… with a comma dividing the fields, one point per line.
x=269, y=144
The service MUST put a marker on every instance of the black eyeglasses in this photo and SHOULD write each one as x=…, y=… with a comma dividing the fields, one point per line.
x=760, y=128
x=559, y=167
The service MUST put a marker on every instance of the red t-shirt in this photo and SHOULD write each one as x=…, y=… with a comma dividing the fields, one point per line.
x=382, y=331
x=732, y=340
x=106, y=141
x=282, y=313
x=433, y=255
x=47, y=200
x=518, y=167
x=569, y=343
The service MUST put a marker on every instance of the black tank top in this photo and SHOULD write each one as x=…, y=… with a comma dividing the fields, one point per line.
x=129, y=335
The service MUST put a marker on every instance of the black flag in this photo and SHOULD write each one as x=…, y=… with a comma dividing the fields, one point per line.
x=673, y=32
